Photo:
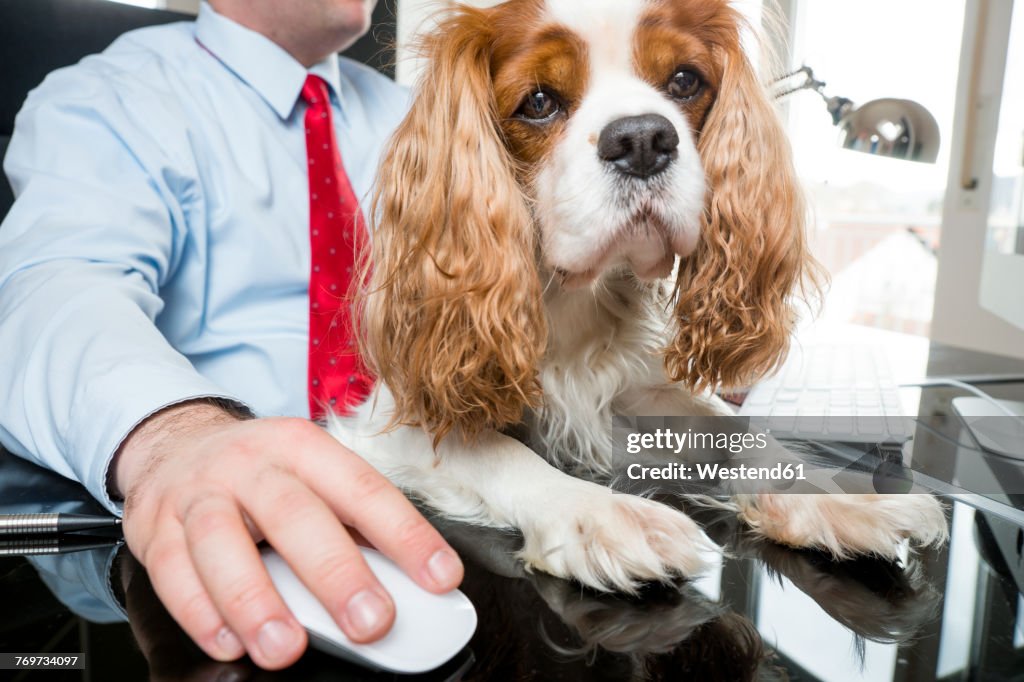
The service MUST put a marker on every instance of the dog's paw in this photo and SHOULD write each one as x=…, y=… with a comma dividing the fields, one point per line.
x=847, y=525
x=611, y=541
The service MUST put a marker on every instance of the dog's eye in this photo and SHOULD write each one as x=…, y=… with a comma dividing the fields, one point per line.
x=539, y=106
x=685, y=85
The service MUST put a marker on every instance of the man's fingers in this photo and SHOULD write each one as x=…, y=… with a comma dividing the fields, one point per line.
x=233, y=574
x=208, y=571
x=307, y=533
x=178, y=587
x=364, y=499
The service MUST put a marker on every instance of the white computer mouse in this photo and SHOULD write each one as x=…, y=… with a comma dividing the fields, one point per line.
x=429, y=629
x=993, y=425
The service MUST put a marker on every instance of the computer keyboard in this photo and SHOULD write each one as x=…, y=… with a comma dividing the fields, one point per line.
x=831, y=391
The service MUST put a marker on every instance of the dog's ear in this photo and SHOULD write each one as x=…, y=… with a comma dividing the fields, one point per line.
x=452, y=319
x=734, y=294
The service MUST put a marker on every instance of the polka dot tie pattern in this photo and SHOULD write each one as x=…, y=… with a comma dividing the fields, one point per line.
x=337, y=379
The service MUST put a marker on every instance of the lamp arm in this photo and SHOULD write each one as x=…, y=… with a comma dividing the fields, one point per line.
x=809, y=82
x=838, y=107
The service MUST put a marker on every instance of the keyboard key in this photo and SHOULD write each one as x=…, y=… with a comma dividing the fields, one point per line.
x=839, y=426
x=871, y=426
x=868, y=399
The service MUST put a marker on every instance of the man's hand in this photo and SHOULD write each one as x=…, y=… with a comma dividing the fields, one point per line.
x=202, y=487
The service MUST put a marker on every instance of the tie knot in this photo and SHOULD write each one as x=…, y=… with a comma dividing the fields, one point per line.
x=314, y=90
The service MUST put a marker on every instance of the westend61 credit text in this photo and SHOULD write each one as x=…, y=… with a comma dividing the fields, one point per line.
x=713, y=471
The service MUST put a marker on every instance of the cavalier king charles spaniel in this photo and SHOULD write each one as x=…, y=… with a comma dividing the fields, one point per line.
x=562, y=163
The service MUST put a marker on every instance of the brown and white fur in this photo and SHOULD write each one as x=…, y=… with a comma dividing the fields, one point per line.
x=561, y=160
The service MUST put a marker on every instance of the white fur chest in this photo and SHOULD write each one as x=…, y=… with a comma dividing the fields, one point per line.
x=604, y=342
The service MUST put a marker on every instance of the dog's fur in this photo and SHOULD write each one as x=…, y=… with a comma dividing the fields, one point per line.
x=515, y=276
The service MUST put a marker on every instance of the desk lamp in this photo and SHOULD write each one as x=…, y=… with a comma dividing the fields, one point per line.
x=895, y=128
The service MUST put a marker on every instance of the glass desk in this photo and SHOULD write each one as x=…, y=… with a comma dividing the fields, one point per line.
x=952, y=613
x=763, y=612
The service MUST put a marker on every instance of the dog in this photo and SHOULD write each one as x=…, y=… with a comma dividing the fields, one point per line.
x=561, y=163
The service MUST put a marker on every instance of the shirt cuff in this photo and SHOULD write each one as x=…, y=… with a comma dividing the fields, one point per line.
x=103, y=431
x=82, y=582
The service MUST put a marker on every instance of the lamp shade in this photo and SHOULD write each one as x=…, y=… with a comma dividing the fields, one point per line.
x=896, y=128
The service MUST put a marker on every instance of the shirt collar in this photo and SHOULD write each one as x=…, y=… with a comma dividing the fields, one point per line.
x=273, y=73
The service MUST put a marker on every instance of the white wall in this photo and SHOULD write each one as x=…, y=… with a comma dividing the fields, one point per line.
x=191, y=6
x=415, y=16
x=188, y=6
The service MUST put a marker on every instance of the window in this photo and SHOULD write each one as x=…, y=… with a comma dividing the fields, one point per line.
x=1006, y=209
x=876, y=220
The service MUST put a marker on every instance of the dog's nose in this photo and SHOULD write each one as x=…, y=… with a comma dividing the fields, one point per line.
x=639, y=145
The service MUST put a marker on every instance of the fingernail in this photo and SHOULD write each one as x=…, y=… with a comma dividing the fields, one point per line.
x=444, y=567
x=366, y=612
x=229, y=644
x=277, y=640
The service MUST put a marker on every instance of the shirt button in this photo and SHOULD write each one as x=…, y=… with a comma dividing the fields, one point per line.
x=334, y=401
x=316, y=382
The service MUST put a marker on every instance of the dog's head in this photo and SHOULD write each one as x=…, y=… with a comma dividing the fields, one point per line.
x=554, y=140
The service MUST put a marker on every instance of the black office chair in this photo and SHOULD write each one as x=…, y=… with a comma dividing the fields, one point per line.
x=38, y=36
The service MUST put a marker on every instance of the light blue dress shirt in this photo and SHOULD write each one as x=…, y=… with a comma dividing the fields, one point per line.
x=158, y=249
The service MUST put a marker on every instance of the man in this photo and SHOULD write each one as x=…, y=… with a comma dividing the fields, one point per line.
x=155, y=286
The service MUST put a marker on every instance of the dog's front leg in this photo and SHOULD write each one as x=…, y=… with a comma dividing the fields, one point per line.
x=571, y=528
x=846, y=525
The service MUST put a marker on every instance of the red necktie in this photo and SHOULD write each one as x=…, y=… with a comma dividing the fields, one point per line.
x=337, y=380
